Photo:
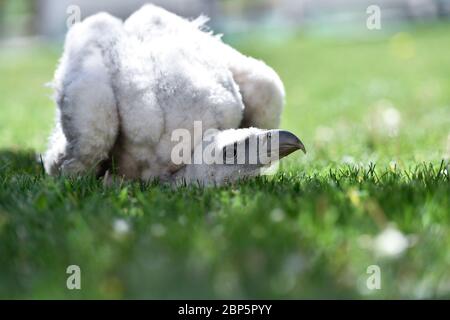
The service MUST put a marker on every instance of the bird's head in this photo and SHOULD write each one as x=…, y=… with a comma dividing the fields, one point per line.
x=230, y=155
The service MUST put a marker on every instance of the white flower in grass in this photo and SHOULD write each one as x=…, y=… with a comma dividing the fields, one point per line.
x=391, y=121
x=393, y=165
x=390, y=242
x=386, y=119
x=158, y=230
x=121, y=227
x=349, y=160
x=277, y=215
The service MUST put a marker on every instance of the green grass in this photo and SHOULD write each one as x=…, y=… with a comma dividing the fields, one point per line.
x=306, y=232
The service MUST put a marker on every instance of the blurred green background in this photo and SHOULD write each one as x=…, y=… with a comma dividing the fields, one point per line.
x=372, y=107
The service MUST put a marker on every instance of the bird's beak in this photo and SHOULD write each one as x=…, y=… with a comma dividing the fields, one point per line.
x=268, y=147
x=287, y=143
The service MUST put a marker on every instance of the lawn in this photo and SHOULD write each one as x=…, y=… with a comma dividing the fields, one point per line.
x=374, y=188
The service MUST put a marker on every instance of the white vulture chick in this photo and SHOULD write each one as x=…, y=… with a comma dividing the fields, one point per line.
x=123, y=89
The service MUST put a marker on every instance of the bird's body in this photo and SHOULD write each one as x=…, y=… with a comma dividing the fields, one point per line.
x=183, y=81
x=122, y=89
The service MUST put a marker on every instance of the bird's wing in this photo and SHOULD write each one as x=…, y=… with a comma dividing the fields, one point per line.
x=260, y=86
x=87, y=122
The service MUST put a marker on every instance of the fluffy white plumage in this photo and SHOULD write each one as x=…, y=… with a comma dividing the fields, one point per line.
x=122, y=88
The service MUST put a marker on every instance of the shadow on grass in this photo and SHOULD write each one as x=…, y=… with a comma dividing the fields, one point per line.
x=20, y=161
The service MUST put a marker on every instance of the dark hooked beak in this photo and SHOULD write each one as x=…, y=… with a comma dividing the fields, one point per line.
x=287, y=143
x=269, y=146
